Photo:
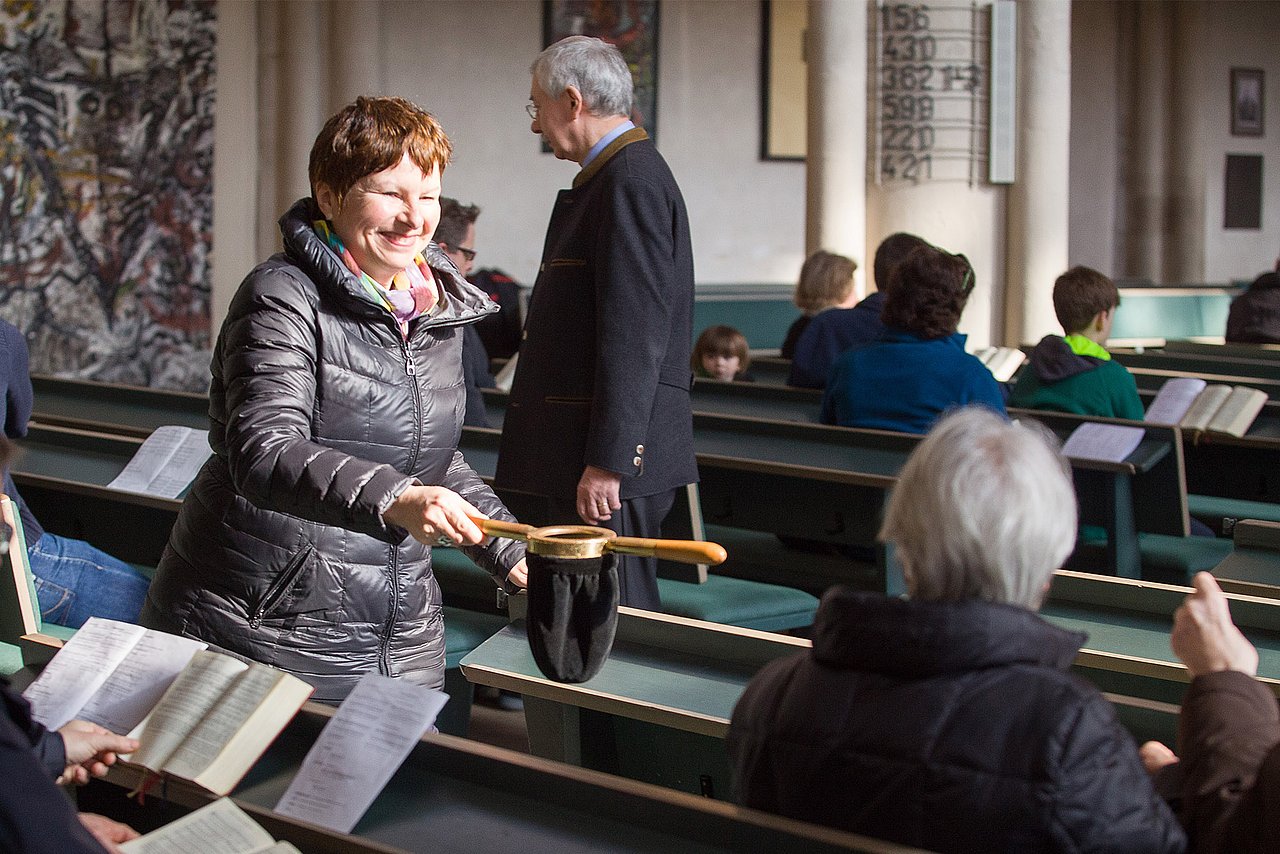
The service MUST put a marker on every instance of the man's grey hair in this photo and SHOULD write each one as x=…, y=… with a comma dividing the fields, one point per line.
x=983, y=509
x=593, y=67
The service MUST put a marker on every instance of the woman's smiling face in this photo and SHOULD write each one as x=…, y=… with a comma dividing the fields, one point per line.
x=386, y=218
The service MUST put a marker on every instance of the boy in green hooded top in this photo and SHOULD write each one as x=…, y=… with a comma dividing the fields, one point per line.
x=1076, y=373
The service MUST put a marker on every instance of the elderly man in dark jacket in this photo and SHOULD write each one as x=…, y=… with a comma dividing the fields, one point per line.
x=599, y=420
x=949, y=720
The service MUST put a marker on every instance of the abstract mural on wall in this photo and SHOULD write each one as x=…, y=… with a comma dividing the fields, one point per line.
x=106, y=190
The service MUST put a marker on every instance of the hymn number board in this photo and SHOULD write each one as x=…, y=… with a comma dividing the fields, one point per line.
x=931, y=92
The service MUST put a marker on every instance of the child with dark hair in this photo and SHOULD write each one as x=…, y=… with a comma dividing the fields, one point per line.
x=720, y=353
x=1075, y=373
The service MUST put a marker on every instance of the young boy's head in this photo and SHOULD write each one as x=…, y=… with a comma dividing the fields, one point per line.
x=720, y=353
x=1084, y=301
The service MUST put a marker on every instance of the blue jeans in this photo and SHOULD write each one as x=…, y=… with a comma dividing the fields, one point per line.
x=75, y=581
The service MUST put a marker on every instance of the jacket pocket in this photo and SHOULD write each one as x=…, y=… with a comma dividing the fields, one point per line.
x=282, y=585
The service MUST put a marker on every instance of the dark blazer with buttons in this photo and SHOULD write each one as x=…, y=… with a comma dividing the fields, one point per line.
x=603, y=377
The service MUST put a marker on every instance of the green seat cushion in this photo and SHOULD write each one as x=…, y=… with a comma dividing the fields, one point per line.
x=1165, y=558
x=10, y=659
x=735, y=602
x=1212, y=510
x=463, y=583
x=465, y=630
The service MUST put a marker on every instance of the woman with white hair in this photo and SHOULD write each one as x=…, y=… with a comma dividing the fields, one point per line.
x=948, y=720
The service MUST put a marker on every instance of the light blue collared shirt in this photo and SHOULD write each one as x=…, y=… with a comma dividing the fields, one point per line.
x=604, y=142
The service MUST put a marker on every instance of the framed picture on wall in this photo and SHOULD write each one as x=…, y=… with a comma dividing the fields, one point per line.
x=783, y=90
x=1246, y=102
x=631, y=25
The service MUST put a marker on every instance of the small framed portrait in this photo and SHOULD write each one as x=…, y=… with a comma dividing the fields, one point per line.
x=1246, y=102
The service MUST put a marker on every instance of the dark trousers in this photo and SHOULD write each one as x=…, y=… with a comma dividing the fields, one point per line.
x=639, y=517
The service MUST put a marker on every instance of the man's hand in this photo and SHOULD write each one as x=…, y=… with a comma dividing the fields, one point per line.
x=431, y=512
x=598, y=495
x=108, y=833
x=90, y=750
x=1155, y=755
x=1205, y=638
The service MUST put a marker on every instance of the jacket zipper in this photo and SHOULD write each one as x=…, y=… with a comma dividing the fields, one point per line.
x=384, y=653
x=393, y=552
x=279, y=587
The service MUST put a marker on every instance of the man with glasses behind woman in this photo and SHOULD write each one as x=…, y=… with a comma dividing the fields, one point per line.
x=918, y=368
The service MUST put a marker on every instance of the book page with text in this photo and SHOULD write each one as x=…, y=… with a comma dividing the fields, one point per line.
x=79, y=669
x=183, y=706
x=359, y=750
x=1173, y=400
x=234, y=708
x=139, y=680
x=166, y=463
x=1238, y=411
x=1107, y=442
x=219, y=827
x=1205, y=406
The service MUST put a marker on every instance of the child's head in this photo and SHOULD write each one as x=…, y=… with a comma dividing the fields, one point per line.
x=826, y=279
x=720, y=353
x=1079, y=296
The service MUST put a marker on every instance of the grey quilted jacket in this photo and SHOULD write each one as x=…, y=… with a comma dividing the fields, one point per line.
x=322, y=414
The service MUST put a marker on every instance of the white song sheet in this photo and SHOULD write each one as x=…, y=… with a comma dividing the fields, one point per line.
x=1108, y=442
x=166, y=463
x=79, y=669
x=359, y=749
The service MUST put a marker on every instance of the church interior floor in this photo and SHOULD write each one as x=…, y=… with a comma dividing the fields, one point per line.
x=499, y=727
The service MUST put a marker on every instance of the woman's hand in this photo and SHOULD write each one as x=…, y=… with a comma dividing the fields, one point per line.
x=90, y=750
x=1203, y=635
x=519, y=574
x=431, y=512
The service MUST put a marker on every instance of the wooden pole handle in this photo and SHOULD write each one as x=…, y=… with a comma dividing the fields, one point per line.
x=681, y=551
x=498, y=528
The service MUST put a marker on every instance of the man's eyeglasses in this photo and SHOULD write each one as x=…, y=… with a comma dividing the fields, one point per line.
x=469, y=254
x=532, y=109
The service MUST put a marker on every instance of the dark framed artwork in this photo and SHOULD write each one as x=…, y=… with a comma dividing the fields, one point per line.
x=1246, y=102
x=1242, y=192
x=783, y=83
x=631, y=25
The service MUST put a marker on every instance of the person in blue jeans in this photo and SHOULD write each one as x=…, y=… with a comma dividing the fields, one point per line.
x=74, y=580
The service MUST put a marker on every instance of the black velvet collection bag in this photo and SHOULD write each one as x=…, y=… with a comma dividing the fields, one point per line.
x=573, y=614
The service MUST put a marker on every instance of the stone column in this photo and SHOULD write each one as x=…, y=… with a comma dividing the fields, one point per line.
x=836, y=159
x=1037, y=225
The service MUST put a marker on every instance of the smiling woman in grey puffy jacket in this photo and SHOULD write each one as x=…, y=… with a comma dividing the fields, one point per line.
x=336, y=407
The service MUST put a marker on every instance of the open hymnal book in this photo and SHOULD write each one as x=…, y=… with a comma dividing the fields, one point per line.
x=199, y=715
x=219, y=827
x=1003, y=362
x=359, y=749
x=166, y=463
x=1193, y=404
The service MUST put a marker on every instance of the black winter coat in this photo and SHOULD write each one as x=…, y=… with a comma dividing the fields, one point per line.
x=951, y=726
x=322, y=415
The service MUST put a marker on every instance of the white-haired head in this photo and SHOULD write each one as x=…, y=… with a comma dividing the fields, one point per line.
x=592, y=66
x=983, y=509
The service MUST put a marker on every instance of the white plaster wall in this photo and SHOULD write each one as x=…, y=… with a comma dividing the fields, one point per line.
x=1094, y=156
x=1244, y=38
x=1231, y=33
x=468, y=63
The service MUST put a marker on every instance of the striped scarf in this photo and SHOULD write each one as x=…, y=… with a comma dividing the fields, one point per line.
x=413, y=290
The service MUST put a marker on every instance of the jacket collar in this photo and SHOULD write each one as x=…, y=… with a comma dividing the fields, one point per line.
x=901, y=637
x=897, y=335
x=633, y=135
x=461, y=301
